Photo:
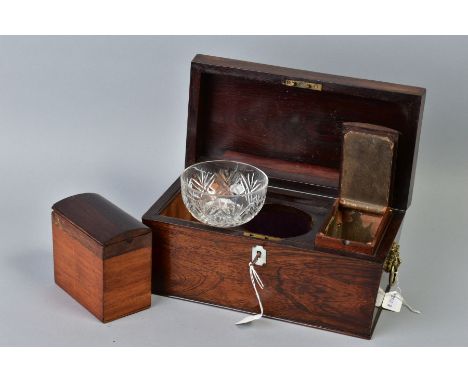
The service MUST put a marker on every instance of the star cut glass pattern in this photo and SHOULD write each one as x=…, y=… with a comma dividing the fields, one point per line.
x=223, y=193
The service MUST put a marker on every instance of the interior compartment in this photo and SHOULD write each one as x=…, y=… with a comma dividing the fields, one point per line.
x=176, y=209
x=281, y=221
x=266, y=116
x=358, y=219
x=287, y=215
x=353, y=225
x=353, y=230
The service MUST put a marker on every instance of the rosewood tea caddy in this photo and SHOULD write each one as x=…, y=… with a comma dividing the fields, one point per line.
x=102, y=256
x=340, y=154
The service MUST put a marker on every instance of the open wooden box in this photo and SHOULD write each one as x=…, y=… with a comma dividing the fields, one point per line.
x=290, y=124
x=360, y=215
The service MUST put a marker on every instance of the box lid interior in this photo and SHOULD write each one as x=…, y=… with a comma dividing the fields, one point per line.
x=289, y=122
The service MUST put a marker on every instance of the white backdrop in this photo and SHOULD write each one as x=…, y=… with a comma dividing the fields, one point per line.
x=108, y=115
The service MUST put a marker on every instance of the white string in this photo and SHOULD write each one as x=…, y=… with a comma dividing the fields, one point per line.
x=255, y=278
x=402, y=298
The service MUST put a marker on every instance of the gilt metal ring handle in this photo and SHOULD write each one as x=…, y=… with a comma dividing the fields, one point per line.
x=392, y=262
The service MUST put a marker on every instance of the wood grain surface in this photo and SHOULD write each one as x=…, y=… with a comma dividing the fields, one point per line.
x=243, y=110
x=111, y=280
x=309, y=287
x=99, y=218
x=78, y=269
x=127, y=283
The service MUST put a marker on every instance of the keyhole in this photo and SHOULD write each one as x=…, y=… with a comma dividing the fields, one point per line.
x=258, y=255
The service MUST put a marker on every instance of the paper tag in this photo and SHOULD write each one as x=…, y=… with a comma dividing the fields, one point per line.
x=248, y=319
x=380, y=297
x=392, y=301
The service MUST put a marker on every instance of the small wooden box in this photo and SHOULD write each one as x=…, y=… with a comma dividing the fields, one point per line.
x=102, y=256
x=359, y=217
x=290, y=124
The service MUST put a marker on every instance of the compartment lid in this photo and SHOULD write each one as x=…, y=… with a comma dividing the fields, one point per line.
x=367, y=166
x=289, y=122
x=99, y=218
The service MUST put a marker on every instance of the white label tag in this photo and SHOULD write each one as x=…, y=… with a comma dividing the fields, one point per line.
x=392, y=301
x=380, y=297
x=248, y=319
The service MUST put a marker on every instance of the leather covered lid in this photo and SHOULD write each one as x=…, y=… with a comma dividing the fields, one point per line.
x=367, y=168
x=99, y=218
x=289, y=122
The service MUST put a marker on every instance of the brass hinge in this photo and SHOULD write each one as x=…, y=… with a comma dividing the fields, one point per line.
x=303, y=84
x=261, y=237
x=392, y=262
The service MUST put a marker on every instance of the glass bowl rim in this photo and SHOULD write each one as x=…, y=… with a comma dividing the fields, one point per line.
x=201, y=193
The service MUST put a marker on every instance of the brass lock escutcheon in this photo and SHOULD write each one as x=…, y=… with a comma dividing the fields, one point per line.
x=392, y=262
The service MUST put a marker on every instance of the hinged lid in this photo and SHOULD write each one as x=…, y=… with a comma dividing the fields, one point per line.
x=367, y=166
x=289, y=122
x=99, y=218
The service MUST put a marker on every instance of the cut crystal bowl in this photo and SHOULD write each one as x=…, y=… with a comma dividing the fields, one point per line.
x=223, y=193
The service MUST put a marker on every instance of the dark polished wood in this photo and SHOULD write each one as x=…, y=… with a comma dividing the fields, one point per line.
x=99, y=218
x=194, y=261
x=170, y=209
x=245, y=111
x=309, y=287
x=113, y=279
